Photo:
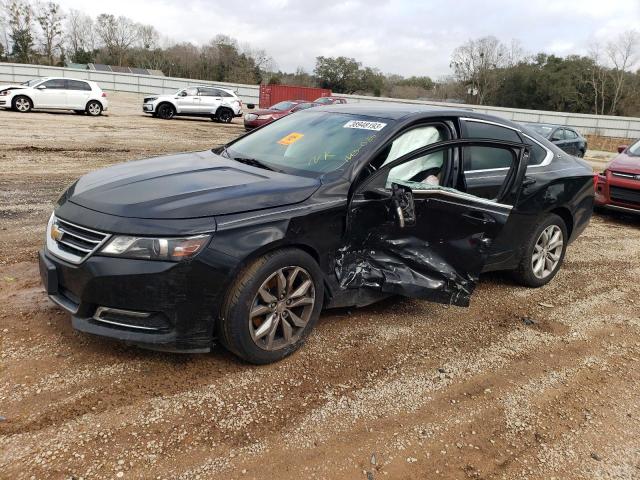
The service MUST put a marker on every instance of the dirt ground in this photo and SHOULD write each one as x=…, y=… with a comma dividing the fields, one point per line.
x=402, y=390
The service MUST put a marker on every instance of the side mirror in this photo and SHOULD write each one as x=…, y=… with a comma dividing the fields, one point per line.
x=182, y=94
x=41, y=87
x=622, y=148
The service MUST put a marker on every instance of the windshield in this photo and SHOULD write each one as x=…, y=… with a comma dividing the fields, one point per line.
x=31, y=83
x=543, y=130
x=283, y=106
x=324, y=100
x=634, y=149
x=310, y=143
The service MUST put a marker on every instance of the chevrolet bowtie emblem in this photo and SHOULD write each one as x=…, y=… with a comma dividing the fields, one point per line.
x=56, y=233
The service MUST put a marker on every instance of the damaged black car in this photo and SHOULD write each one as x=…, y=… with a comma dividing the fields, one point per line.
x=335, y=206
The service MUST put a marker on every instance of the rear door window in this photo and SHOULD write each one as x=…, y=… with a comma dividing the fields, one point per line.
x=77, y=85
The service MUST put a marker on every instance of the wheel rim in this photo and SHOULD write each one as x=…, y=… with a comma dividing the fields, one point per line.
x=282, y=308
x=94, y=109
x=547, y=252
x=22, y=104
x=166, y=112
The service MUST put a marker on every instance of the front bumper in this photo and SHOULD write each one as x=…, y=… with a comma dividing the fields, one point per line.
x=158, y=305
x=617, y=193
x=148, y=108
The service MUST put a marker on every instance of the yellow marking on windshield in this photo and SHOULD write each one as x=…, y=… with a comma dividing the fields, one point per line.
x=291, y=138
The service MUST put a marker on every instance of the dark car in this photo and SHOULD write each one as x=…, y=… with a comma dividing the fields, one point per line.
x=261, y=117
x=618, y=187
x=566, y=138
x=331, y=100
x=335, y=206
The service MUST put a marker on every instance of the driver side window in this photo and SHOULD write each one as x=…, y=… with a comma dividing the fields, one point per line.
x=191, y=92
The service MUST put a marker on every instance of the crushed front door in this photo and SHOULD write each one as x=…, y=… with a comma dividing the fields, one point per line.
x=414, y=237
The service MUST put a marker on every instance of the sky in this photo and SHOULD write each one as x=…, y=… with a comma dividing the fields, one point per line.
x=407, y=37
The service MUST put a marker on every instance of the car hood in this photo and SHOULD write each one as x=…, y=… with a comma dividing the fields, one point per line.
x=266, y=111
x=188, y=185
x=625, y=163
x=12, y=87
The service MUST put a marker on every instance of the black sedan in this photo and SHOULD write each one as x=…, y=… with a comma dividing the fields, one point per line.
x=333, y=206
x=566, y=138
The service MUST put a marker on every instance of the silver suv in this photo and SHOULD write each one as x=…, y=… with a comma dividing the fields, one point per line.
x=219, y=104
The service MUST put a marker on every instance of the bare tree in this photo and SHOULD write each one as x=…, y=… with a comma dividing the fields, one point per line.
x=49, y=17
x=622, y=55
x=476, y=62
x=599, y=79
x=80, y=36
x=148, y=36
x=118, y=35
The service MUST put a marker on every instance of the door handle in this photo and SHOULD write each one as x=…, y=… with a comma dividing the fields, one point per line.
x=479, y=217
x=528, y=181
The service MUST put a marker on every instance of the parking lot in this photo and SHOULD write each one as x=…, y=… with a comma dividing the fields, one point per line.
x=523, y=384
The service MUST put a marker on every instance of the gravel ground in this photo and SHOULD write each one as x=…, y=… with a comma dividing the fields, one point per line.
x=402, y=389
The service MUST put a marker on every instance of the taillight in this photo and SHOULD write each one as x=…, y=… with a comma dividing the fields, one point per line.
x=104, y=94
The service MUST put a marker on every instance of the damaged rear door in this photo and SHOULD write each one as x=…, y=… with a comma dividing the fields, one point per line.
x=412, y=228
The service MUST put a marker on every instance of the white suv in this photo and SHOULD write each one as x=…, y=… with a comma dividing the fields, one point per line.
x=81, y=96
x=200, y=101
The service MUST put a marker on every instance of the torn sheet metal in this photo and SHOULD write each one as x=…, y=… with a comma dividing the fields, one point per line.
x=405, y=266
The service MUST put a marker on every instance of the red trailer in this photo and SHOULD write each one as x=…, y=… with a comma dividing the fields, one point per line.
x=272, y=94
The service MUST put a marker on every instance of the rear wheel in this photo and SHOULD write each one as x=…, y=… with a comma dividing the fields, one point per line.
x=94, y=108
x=166, y=111
x=272, y=306
x=224, y=115
x=22, y=104
x=544, y=252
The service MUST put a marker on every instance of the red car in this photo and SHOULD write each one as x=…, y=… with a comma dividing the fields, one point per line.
x=330, y=100
x=267, y=115
x=618, y=187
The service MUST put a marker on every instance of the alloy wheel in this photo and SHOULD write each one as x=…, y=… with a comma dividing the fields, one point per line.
x=94, y=108
x=23, y=104
x=282, y=308
x=225, y=116
x=547, y=252
x=165, y=112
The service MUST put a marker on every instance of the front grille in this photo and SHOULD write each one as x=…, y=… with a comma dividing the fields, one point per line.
x=72, y=242
x=629, y=176
x=149, y=99
x=625, y=195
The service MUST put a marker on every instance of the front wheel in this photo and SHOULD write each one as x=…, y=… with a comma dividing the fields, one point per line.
x=272, y=306
x=94, y=108
x=166, y=111
x=22, y=104
x=544, y=252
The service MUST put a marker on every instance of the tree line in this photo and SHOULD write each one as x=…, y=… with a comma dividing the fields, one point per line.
x=485, y=70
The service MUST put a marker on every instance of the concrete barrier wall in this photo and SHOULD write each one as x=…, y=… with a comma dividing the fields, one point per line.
x=608, y=126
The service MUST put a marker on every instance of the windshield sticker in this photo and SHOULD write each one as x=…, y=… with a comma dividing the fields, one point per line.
x=364, y=125
x=291, y=138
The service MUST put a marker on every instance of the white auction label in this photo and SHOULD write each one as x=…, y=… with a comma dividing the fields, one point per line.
x=365, y=125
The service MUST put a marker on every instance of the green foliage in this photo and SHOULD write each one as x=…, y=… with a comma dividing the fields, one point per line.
x=20, y=23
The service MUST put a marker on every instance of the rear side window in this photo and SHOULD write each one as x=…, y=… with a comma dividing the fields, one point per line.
x=55, y=84
x=78, y=85
x=570, y=135
x=538, y=154
x=490, y=131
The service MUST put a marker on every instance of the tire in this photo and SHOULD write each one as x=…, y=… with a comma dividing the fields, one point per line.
x=22, y=104
x=261, y=338
x=166, y=111
x=531, y=275
x=225, y=115
x=94, y=108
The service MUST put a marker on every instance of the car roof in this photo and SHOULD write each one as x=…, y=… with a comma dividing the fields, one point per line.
x=397, y=111
x=551, y=125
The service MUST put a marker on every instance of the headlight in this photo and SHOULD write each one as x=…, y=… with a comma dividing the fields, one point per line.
x=173, y=249
x=4, y=93
x=265, y=117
